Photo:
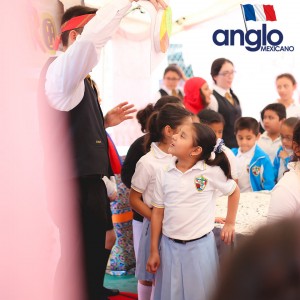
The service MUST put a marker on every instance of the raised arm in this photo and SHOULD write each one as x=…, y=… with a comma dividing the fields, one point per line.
x=64, y=80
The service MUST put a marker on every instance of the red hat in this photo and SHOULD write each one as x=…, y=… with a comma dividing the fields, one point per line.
x=192, y=98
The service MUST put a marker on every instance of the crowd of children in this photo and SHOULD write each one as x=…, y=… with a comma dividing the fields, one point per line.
x=185, y=167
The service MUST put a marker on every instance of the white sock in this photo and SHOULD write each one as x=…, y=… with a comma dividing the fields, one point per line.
x=144, y=291
x=152, y=292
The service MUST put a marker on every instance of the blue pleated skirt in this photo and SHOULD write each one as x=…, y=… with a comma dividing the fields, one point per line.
x=187, y=271
x=143, y=253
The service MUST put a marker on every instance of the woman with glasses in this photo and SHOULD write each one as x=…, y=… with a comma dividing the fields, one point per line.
x=171, y=80
x=223, y=100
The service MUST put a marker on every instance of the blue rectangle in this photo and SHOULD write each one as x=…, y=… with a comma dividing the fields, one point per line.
x=249, y=12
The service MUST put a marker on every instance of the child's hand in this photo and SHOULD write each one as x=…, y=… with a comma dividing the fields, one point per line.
x=153, y=263
x=220, y=220
x=227, y=233
x=283, y=154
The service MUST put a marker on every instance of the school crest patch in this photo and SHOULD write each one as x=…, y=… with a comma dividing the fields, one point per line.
x=256, y=170
x=200, y=183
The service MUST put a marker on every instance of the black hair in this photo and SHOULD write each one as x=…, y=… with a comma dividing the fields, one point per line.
x=74, y=11
x=206, y=139
x=144, y=114
x=217, y=65
x=209, y=116
x=290, y=122
x=170, y=114
x=246, y=123
x=289, y=76
x=173, y=68
x=278, y=108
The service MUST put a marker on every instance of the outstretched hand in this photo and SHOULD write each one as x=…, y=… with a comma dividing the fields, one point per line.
x=156, y=3
x=119, y=114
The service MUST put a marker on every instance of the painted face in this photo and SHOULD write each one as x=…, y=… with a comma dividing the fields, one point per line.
x=225, y=77
x=206, y=92
x=285, y=88
x=246, y=139
x=182, y=142
x=286, y=133
x=171, y=80
x=271, y=122
x=217, y=128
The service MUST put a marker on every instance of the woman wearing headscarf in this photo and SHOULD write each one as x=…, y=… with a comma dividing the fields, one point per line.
x=197, y=94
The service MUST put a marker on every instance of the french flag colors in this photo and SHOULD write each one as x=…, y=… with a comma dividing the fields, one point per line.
x=259, y=12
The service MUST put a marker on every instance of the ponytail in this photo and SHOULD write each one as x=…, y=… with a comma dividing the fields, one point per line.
x=171, y=115
x=212, y=151
x=222, y=161
x=153, y=132
x=143, y=115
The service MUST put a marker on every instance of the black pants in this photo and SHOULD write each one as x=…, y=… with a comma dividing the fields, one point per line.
x=91, y=205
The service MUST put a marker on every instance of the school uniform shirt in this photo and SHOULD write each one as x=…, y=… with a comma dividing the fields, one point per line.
x=285, y=197
x=189, y=198
x=243, y=162
x=280, y=165
x=293, y=110
x=269, y=146
x=261, y=171
x=143, y=180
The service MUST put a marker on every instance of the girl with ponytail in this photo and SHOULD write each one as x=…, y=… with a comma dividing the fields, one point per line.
x=161, y=126
x=183, y=209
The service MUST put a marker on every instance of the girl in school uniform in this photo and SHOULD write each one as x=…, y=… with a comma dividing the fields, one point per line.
x=285, y=197
x=183, y=209
x=161, y=127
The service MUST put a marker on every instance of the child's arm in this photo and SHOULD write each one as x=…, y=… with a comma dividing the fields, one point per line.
x=227, y=233
x=156, y=225
x=137, y=203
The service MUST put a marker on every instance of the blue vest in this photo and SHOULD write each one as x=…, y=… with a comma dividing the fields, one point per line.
x=261, y=171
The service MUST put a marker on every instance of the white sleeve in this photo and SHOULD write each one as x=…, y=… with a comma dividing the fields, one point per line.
x=157, y=200
x=222, y=184
x=232, y=161
x=213, y=105
x=64, y=80
x=282, y=204
x=141, y=176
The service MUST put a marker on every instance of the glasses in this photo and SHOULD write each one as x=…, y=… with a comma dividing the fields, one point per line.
x=172, y=78
x=287, y=138
x=227, y=73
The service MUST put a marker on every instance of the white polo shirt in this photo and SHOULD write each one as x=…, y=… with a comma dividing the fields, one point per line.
x=243, y=160
x=232, y=161
x=293, y=110
x=143, y=179
x=285, y=197
x=268, y=145
x=189, y=198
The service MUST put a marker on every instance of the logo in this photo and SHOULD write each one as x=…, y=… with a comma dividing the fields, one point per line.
x=200, y=183
x=255, y=170
x=254, y=40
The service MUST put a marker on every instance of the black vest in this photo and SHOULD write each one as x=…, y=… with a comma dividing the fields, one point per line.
x=230, y=114
x=79, y=132
x=164, y=93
